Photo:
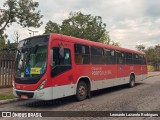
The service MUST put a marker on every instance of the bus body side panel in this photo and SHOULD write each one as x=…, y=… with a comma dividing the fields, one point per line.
x=122, y=74
x=63, y=84
x=103, y=76
x=144, y=69
x=137, y=71
x=144, y=72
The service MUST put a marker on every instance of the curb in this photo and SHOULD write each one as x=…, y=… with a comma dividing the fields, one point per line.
x=153, y=75
x=9, y=101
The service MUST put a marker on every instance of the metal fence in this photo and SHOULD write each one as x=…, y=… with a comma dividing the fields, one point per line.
x=6, y=69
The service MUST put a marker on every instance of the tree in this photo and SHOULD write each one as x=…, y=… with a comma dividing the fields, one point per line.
x=105, y=38
x=115, y=43
x=9, y=46
x=22, y=12
x=153, y=55
x=52, y=27
x=140, y=47
x=2, y=43
x=84, y=26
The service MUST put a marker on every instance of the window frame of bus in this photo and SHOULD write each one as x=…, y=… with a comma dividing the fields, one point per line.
x=110, y=56
x=83, y=52
x=144, y=60
x=129, y=59
x=98, y=53
x=60, y=68
x=121, y=57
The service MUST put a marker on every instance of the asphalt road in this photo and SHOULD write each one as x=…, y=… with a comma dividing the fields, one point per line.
x=145, y=96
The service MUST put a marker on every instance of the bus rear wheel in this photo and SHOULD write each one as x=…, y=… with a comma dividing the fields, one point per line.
x=132, y=81
x=82, y=91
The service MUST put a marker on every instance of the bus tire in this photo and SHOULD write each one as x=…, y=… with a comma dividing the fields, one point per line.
x=82, y=91
x=89, y=93
x=132, y=81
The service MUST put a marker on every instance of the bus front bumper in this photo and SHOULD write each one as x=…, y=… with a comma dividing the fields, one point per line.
x=43, y=94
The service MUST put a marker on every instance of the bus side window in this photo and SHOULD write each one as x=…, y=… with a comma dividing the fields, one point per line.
x=58, y=60
x=60, y=64
x=97, y=55
x=142, y=60
x=129, y=58
x=120, y=57
x=55, y=57
x=110, y=57
x=67, y=57
x=82, y=54
x=79, y=59
x=136, y=59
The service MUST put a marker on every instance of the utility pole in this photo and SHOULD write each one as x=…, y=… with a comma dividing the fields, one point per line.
x=16, y=36
x=30, y=34
x=32, y=31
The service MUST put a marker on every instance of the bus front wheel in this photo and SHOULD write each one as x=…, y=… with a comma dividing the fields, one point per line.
x=82, y=91
x=132, y=81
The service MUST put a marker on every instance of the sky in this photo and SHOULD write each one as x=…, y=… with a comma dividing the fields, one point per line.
x=129, y=22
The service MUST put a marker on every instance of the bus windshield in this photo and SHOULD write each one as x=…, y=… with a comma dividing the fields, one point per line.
x=31, y=58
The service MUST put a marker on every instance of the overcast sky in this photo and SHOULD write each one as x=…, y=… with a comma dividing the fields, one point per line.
x=129, y=22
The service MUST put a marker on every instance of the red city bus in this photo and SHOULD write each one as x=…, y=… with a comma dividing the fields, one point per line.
x=55, y=66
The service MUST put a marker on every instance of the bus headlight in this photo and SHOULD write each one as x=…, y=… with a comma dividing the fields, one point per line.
x=42, y=85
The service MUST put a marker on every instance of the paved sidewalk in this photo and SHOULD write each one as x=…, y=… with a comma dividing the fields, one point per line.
x=6, y=90
x=155, y=73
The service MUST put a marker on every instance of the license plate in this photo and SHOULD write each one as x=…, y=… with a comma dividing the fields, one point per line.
x=24, y=97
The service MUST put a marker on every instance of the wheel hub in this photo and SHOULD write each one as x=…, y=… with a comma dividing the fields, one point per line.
x=82, y=91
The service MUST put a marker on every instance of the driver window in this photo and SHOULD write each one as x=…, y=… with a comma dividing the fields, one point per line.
x=58, y=59
x=60, y=63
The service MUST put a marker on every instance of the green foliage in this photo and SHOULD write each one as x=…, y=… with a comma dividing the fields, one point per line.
x=140, y=47
x=6, y=46
x=9, y=45
x=151, y=57
x=152, y=53
x=105, y=38
x=115, y=43
x=2, y=43
x=84, y=26
x=6, y=96
x=22, y=12
x=52, y=27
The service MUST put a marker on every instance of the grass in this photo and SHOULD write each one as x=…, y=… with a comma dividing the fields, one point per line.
x=6, y=96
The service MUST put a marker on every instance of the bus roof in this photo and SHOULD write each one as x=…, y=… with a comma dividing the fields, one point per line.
x=92, y=43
